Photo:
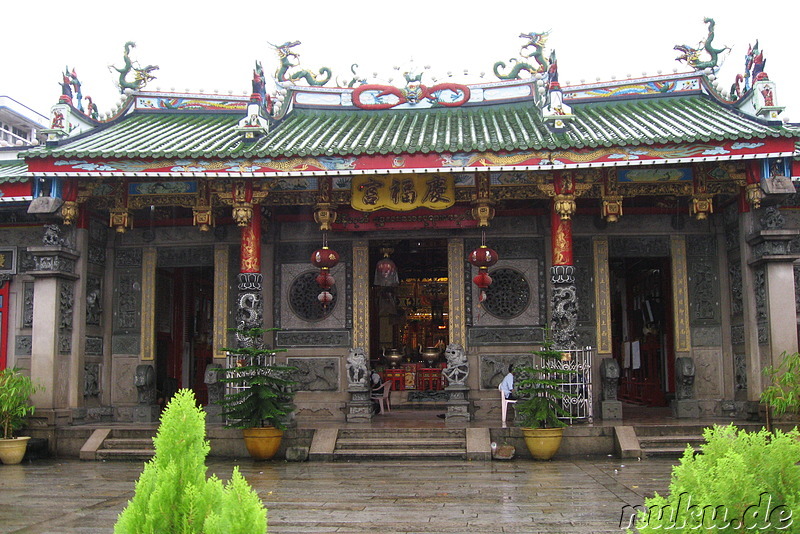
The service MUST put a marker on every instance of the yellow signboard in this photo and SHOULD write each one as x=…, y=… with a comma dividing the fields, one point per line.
x=403, y=193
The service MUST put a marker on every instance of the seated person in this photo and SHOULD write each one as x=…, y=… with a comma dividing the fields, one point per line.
x=377, y=390
x=507, y=385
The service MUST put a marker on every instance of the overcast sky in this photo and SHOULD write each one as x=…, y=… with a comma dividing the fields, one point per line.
x=213, y=46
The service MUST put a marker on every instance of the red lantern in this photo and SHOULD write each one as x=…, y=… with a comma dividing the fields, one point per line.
x=483, y=257
x=324, y=258
x=386, y=273
x=325, y=298
x=325, y=280
x=482, y=279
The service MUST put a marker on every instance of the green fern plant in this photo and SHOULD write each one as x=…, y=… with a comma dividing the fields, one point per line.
x=173, y=494
x=540, y=391
x=261, y=393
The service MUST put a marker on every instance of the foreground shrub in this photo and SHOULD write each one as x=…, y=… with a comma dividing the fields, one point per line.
x=173, y=494
x=740, y=482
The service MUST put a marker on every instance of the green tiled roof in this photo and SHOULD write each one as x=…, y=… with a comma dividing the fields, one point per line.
x=13, y=171
x=492, y=128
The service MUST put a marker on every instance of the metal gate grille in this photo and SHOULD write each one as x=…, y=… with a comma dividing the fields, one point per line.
x=579, y=407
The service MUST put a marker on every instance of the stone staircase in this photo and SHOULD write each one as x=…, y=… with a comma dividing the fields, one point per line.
x=331, y=444
x=668, y=440
x=119, y=444
x=406, y=443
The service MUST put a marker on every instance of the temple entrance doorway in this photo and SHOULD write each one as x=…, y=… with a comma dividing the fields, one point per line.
x=642, y=329
x=409, y=313
x=184, y=327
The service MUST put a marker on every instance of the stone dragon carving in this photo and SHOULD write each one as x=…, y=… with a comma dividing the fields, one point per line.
x=691, y=55
x=533, y=48
x=290, y=60
x=457, y=368
x=141, y=76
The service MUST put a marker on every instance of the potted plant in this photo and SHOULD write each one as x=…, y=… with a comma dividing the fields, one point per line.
x=259, y=395
x=15, y=405
x=541, y=393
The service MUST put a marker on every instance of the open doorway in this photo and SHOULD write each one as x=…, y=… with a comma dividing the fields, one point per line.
x=642, y=329
x=184, y=330
x=409, y=313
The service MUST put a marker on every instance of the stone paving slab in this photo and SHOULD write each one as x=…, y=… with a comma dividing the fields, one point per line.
x=443, y=496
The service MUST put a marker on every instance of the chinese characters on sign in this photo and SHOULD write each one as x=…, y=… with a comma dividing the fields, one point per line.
x=403, y=193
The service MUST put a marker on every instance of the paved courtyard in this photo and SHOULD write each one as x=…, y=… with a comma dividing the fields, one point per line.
x=574, y=495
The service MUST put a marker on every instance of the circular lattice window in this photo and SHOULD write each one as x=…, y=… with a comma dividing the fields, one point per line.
x=303, y=299
x=509, y=294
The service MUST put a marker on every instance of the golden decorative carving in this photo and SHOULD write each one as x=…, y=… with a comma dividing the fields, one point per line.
x=754, y=195
x=702, y=205
x=602, y=295
x=325, y=215
x=221, y=261
x=564, y=205
x=203, y=217
x=69, y=211
x=242, y=213
x=680, y=293
x=361, y=294
x=612, y=207
x=632, y=189
x=120, y=220
x=148, y=303
x=456, y=292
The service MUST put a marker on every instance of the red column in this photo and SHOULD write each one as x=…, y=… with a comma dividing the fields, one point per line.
x=251, y=244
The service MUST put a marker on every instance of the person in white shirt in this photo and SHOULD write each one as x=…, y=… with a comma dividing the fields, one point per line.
x=507, y=385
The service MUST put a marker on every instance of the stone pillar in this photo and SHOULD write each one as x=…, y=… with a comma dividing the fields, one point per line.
x=562, y=273
x=51, y=349
x=361, y=294
x=771, y=255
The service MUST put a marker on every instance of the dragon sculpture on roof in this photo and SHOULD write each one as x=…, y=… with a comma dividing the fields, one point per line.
x=691, y=55
x=141, y=76
x=533, y=48
x=290, y=60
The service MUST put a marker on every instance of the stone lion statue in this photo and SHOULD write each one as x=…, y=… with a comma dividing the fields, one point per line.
x=457, y=368
x=357, y=372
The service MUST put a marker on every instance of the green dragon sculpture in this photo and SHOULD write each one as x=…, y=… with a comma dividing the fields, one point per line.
x=534, y=48
x=290, y=60
x=141, y=75
x=691, y=55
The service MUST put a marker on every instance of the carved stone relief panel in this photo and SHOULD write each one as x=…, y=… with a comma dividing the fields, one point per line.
x=494, y=367
x=505, y=335
x=128, y=301
x=27, y=305
x=128, y=257
x=737, y=334
x=94, y=346
x=740, y=371
x=735, y=278
x=23, y=345
x=290, y=318
x=315, y=338
x=91, y=380
x=94, y=300
x=703, y=284
x=122, y=377
x=761, y=293
x=185, y=256
x=584, y=285
x=65, y=321
x=121, y=344
x=315, y=374
x=709, y=336
x=708, y=373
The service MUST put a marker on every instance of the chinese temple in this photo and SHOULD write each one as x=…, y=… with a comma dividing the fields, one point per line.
x=441, y=229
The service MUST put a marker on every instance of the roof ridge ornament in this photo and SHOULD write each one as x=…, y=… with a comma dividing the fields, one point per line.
x=554, y=111
x=533, y=48
x=256, y=122
x=141, y=76
x=691, y=55
x=289, y=61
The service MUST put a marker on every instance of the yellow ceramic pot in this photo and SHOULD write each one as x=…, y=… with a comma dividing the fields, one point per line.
x=12, y=450
x=543, y=443
x=262, y=443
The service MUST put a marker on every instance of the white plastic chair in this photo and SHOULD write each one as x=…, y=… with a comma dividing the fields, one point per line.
x=383, y=398
x=504, y=402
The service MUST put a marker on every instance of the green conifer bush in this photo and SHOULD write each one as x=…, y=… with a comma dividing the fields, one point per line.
x=738, y=482
x=783, y=395
x=173, y=494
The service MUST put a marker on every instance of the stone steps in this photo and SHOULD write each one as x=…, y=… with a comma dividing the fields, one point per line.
x=107, y=444
x=672, y=446
x=400, y=443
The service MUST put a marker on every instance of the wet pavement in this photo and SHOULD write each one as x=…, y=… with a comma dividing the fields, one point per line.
x=560, y=496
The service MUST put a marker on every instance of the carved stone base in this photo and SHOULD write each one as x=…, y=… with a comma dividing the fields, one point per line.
x=611, y=410
x=459, y=407
x=213, y=413
x=359, y=408
x=685, y=409
x=146, y=413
